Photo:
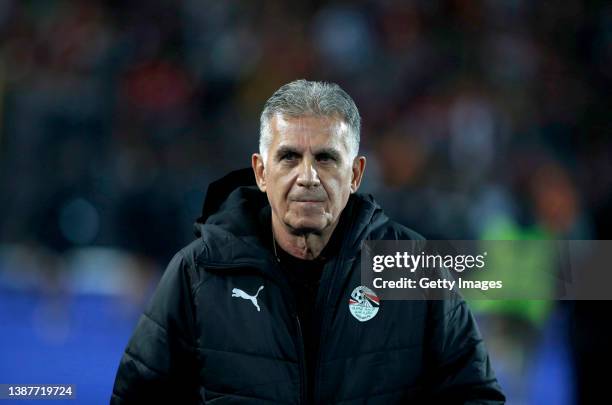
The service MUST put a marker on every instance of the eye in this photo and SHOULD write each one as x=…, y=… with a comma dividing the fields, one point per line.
x=289, y=156
x=325, y=158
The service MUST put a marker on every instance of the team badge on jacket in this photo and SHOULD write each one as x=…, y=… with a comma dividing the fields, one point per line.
x=364, y=303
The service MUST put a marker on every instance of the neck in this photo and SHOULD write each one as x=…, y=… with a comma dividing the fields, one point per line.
x=307, y=246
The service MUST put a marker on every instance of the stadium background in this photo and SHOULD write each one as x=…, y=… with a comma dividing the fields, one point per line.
x=481, y=120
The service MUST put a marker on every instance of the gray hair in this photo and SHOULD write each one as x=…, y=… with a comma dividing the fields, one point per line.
x=305, y=98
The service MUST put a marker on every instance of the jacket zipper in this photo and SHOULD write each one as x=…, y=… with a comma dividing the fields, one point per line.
x=337, y=265
x=302, y=362
x=285, y=292
x=322, y=330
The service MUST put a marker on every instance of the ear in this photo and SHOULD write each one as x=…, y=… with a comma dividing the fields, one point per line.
x=359, y=164
x=257, y=163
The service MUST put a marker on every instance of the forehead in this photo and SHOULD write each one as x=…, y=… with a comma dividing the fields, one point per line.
x=309, y=131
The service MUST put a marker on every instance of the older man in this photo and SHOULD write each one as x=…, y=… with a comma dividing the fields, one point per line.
x=261, y=307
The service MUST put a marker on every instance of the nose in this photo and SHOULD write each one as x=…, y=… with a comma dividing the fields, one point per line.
x=308, y=176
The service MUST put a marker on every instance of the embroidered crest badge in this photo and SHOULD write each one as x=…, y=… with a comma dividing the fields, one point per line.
x=364, y=303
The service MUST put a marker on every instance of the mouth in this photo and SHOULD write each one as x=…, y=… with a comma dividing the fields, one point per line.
x=308, y=201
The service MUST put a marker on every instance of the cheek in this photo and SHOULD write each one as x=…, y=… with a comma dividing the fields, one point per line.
x=338, y=190
x=279, y=190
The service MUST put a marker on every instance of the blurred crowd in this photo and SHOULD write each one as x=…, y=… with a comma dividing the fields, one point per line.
x=481, y=120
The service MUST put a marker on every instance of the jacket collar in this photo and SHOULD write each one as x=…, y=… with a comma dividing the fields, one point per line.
x=232, y=213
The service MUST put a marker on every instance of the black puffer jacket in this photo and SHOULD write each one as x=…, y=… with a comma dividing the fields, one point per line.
x=200, y=341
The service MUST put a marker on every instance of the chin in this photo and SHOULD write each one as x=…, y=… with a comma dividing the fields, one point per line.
x=301, y=227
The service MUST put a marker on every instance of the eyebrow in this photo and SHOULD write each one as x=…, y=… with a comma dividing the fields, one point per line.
x=334, y=153
x=283, y=150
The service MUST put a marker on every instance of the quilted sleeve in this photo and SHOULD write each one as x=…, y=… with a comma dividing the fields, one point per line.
x=457, y=357
x=160, y=364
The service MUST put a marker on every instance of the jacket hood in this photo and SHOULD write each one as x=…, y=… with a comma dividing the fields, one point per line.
x=235, y=209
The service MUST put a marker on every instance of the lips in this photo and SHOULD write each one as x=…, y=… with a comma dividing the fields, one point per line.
x=306, y=200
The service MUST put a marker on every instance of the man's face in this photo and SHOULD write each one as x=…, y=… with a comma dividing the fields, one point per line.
x=309, y=173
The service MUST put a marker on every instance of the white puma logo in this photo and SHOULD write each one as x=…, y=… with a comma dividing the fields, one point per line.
x=237, y=292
